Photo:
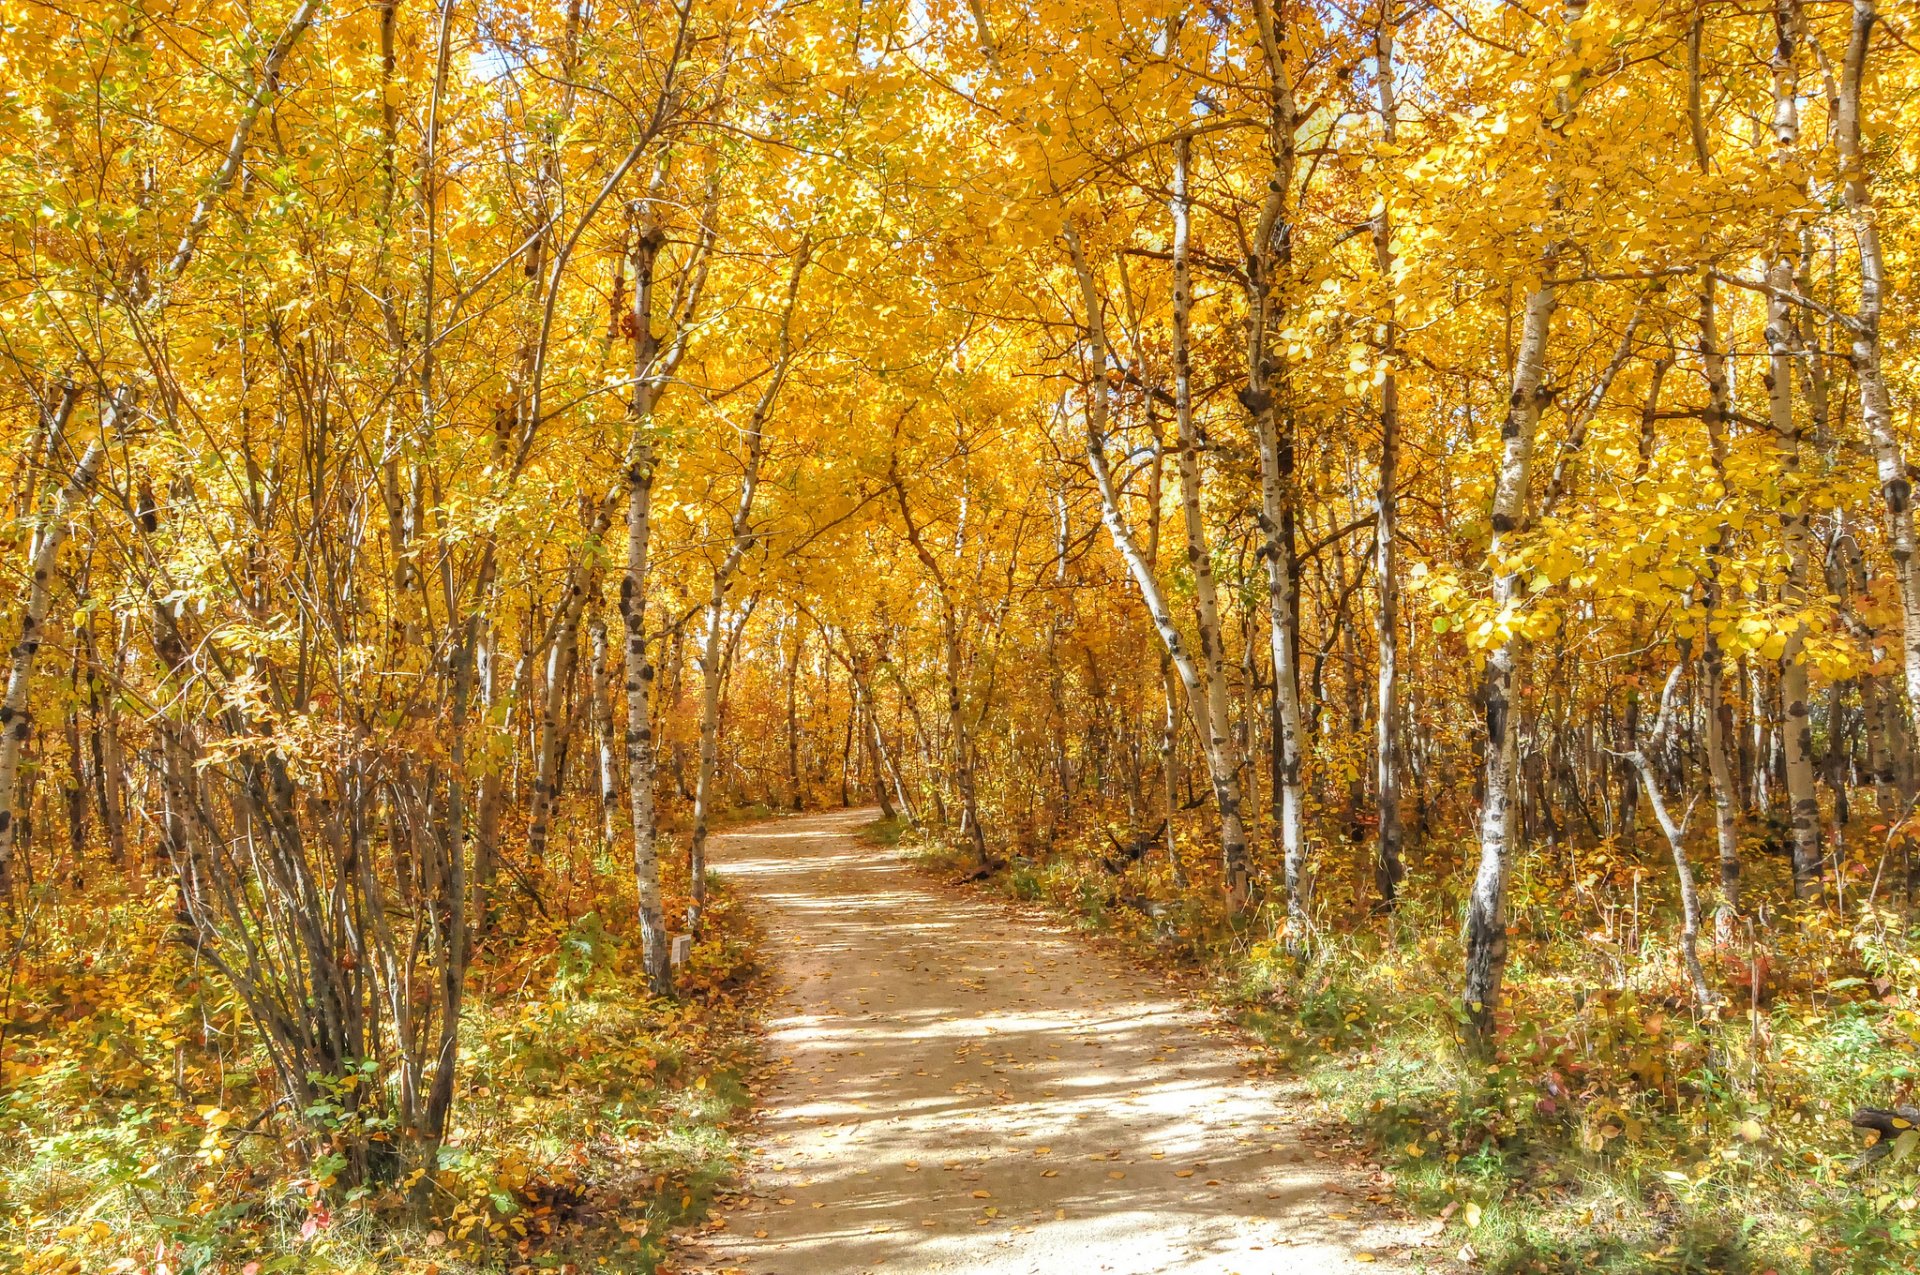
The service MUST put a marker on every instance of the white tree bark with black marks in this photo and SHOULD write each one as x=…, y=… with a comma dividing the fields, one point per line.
x=43, y=556
x=606, y=767
x=641, y=759
x=1796, y=725
x=796, y=794
x=1222, y=749
x=1486, y=928
x=1718, y=411
x=1389, y=870
x=1876, y=403
x=1097, y=411
x=887, y=769
x=1676, y=833
x=654, y=363
x=1169, y=741
x=1268, y=258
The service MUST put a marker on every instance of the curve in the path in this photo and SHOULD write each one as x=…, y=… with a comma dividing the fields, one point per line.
x=964, y=1088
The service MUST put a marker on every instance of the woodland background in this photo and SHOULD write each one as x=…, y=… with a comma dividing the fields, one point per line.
x=1406, y=506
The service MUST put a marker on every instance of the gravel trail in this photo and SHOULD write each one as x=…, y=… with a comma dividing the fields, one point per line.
x=961, y=1086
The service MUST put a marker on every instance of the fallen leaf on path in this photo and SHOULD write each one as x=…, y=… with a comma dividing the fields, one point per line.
x=1116, y=1174
x=983, y=1195
x=1183, y=1173
x=1051, y=1173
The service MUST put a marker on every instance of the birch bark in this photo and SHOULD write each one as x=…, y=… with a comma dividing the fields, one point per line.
x=1876, y=404
x=1486, y=928
x=1269, y=255
x=1097, y=411
x=654, y=364
x=1796, y=726
x=1389, y=870
x=16, y=718
x=1216, y=726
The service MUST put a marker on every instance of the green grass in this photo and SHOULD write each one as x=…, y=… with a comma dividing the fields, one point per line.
x=886, y=832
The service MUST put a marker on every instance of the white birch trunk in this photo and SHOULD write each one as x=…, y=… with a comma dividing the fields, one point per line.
x=1876, y=405
x=1703, y=995
x=1270, y=257
x=1097, y=410
x=1796, y=726
x=607, y=770
x=16, y=717
x=1719, y=713
x=1389, y=870
x=1486, y=929
x=1216, y=725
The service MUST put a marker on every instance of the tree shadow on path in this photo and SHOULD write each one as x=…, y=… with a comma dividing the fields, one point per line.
x=963, y=1088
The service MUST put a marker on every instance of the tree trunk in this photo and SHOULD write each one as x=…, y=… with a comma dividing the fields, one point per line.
x=1796, y=726
x=952, y=667
x=1097, y=411
x=1486, y=929
x=796, y=799
x=639, y=688
x=1389, y=870
x=16, y=717
x=1719, y=713
x=1216, y=726
x=1265, y=265
x=1876, y=405
x=607, y=770
x=1703, y=995
x=563, y=657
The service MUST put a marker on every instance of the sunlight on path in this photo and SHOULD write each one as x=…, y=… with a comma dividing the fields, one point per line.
x=964, y=1090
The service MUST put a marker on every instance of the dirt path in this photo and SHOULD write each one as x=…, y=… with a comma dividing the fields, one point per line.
x=964, y=1089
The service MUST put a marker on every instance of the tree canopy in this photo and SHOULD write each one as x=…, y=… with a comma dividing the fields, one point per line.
x=1306, y=460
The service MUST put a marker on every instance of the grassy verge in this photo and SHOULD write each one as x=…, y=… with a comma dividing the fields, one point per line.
x=886, y=832
x=1615, y=1128
x=591, y=1122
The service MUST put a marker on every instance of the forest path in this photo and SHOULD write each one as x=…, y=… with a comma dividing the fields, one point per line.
x=961, y=1087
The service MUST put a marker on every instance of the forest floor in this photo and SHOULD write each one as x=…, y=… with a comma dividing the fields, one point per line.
x=961, y=1084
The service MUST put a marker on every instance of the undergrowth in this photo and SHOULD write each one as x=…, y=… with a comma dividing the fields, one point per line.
x=139, y=1131
x=1615, y=1128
